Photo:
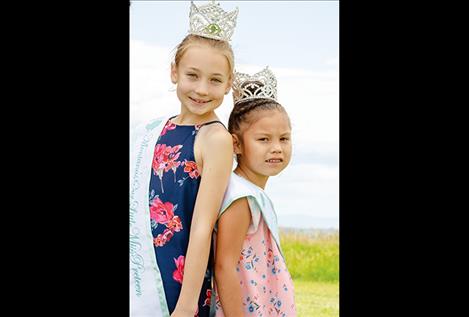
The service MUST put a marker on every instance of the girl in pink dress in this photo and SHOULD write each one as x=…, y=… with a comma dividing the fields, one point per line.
x=251, y=277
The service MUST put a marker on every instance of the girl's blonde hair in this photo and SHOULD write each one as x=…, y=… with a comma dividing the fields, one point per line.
x=191, y=39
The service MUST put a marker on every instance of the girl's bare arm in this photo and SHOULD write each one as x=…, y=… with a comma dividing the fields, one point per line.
x=217, y=154
x=232, y=228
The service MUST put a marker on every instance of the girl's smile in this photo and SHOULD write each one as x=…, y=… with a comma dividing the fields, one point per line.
x=203, y=79
x=274, y=161
x=199, y=101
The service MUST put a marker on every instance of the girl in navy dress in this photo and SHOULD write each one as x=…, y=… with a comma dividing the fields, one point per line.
x=188, y=174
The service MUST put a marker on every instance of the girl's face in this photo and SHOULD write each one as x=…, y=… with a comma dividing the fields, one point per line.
x=202, y=79
x=265, y=148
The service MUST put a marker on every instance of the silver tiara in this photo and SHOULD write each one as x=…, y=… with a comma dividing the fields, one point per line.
x=211, y=21
x=260, y=85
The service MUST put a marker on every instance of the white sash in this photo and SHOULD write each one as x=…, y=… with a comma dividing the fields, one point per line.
x=147, y=297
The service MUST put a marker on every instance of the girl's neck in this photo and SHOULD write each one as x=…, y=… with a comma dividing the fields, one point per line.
x=256, y=179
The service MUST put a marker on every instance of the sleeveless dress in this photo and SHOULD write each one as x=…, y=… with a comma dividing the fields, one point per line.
x=174, y=184
x=265, y=282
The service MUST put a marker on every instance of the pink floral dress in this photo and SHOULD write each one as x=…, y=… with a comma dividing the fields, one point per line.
x=266, y=284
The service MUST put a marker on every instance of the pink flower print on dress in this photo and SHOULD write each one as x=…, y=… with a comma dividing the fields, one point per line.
x=209, y=298
x=161, y=212
x=191, y=168
x=167, y=234
x=158, y=241
x=171, y=162
x=270, y=257
x=164, y=159
x=178, y=274
x=162, y=239
x=169, y=126
x=175, y=224
x=158, y=163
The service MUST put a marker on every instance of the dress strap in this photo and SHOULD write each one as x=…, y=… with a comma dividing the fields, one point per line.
x=210, y=122
x=206, y=123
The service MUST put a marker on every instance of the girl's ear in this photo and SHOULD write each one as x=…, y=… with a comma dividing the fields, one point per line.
x=236, y=144
x=230, y=83
x=174, y=73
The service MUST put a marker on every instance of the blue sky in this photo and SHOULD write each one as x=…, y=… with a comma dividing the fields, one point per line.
x=299, y=40
x=284, y=33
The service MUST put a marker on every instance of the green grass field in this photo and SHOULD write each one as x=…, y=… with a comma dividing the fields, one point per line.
x=316, y=299
x=313, y=262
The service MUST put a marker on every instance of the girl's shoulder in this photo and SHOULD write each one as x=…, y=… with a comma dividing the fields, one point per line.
x=238, y=187
x=257, y=197
x=214, y=136
x=213, y=131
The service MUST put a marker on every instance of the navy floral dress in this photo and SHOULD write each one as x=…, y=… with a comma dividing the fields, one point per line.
x=174, y=185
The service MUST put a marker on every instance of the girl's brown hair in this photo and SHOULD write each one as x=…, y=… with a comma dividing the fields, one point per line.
x=243, y=109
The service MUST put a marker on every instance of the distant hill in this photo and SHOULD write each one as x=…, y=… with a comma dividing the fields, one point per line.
x=310, y=232
x=306, y=221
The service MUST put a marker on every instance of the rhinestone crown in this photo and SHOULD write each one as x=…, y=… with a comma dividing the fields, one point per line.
x=211, y=21
x=260, y=85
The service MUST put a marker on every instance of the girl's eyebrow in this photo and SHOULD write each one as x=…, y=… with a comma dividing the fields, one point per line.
x=267, y=133
x=197, y=70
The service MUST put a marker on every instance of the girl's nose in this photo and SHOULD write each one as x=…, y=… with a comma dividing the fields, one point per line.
x=201, y=89
x=276, y=147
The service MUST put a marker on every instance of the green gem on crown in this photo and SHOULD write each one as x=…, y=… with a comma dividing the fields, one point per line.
x=213, y=28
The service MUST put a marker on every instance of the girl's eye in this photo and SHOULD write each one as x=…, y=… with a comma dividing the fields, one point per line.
x=192, y=75
x=284, y=139
x=262, y=139
x=216, y=80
